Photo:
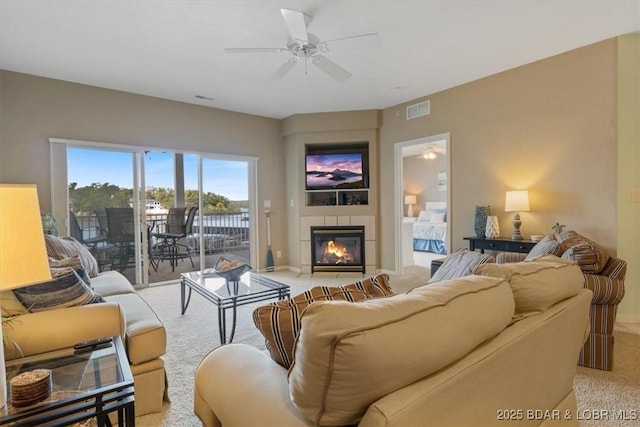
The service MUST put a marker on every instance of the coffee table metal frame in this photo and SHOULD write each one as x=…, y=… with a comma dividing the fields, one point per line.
x=94, y=403
x=252, y=287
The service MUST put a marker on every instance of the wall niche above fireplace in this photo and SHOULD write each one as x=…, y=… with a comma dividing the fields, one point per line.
x=337, y=174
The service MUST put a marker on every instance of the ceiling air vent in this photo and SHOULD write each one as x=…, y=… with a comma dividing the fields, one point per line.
x=418, y=110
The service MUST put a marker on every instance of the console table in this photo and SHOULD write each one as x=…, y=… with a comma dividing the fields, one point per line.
x=500, y=244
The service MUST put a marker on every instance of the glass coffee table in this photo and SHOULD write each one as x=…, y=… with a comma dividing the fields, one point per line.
x=250, y=288
x=89, y=384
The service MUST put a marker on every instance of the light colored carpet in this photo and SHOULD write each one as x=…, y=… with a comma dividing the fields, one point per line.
x=192, y=336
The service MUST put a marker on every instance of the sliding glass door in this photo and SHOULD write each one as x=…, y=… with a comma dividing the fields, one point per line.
x=104, y=207
x=130, y=200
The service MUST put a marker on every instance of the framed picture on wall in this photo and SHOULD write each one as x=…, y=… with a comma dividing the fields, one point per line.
x=442, y=181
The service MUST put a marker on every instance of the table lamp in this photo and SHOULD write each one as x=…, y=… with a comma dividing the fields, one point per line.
x=410, y=200
x=516, y=201
x=23, y=253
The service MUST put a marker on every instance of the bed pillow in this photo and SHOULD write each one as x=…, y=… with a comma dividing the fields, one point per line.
x=65, y=247
x=424, y=216
x=65, y=289
x=279, y=322
x=436, y=217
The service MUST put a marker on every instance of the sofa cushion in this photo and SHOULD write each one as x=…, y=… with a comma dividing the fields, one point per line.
x=460, y=263
x=539, y=283
x=590, y=256
x=65, y=289
x=349, y=355
x=65, y=247
x=145, y=336
x=110, y=283
x=279, y=322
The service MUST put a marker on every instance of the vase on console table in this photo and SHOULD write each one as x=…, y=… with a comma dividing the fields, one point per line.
x=482, y=212
x=492, y=229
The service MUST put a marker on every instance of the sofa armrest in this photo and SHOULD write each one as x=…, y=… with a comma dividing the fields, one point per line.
x=615, y=269
x=508, y=257
x=237, y=384
x=605, y=289
x=58, y=329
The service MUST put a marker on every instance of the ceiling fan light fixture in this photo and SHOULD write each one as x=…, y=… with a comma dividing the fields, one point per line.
x=303, y=45
x=429, y=155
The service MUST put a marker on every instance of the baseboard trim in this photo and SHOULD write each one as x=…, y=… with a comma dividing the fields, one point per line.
x=628, y=318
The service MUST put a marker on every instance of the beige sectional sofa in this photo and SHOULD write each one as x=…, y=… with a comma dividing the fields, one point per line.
x=124, y=313
x=488, y=349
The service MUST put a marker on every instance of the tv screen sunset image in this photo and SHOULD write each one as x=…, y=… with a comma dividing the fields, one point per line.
x=334, y=171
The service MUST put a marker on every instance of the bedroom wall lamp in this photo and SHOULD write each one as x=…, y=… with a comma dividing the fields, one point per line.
x=410, y=200
x=516, y=201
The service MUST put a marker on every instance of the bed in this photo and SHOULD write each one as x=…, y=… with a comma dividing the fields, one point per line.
x=430, y=229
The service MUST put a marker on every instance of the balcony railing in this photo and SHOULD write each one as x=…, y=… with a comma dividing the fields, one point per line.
x=222, y=231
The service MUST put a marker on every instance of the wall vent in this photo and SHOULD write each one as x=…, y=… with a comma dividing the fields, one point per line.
x=418, y=110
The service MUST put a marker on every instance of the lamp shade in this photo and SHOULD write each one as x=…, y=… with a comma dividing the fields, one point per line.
x=23, y=254
x=517, y=201
x=410, y=199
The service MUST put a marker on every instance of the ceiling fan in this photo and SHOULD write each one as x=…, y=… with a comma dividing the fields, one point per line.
x=303, y=45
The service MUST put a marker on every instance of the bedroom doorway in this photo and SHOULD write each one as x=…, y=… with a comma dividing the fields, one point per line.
x=422, y=195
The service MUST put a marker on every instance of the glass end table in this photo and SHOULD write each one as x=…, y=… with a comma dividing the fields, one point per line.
x=88, y=384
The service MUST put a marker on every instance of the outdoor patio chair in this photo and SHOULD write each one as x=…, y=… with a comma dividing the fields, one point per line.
x=120, y=236
x=170, y=249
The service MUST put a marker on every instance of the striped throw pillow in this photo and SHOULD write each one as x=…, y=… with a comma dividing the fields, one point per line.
x=65, y=247
x=65, y=289
x=460, y=263
x=73, y=262
x=590, y=256
x=279, y=322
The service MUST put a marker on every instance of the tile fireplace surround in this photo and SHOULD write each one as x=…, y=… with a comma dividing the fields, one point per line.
x=369, y=223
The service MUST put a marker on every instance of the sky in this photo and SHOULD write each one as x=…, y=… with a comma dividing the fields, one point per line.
x=329, y=162
x=228, y=178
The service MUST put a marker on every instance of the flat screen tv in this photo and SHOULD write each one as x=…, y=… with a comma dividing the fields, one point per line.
x=334, y=171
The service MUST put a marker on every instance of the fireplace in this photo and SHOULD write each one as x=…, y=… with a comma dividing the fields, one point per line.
x=337, y=248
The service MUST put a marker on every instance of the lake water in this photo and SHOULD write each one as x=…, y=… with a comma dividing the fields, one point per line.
x=314, y=181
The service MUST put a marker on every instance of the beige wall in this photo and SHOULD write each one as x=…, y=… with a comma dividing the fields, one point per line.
x=34, y=109
x=549, y=127
x=629, y=171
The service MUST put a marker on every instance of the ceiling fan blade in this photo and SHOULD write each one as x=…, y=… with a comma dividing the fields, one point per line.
x=331, y=68
x=363, y=41
x=255, y=49
x=297, y=24
x=284, y=68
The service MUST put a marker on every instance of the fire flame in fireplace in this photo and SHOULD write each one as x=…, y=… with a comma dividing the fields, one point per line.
x=335, y=254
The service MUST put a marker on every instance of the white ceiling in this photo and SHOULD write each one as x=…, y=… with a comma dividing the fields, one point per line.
x=174, y=49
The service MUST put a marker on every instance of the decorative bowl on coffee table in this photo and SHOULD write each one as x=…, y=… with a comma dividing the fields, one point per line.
x=230, y=270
